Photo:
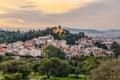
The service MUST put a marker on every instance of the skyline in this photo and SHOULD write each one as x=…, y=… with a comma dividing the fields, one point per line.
x=37, y=14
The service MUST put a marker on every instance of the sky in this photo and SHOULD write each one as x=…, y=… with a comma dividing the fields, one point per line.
x=39, y=14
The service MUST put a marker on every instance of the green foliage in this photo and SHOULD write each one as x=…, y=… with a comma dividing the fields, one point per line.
x=35, y=66
x=6, y=58
x=108, y=70
x=55, y=67
x=115, y=48
x=15, y=76
x=90, y=63
x=50, y=67
x=13, y=36
x=77, y=71
x=60, y=68
x=80, y=58
x=71, y=38
x=46, y=67
x=100, y=45
x=77, y=64
x=51, y=51
x=84, y=64
x=13, y=66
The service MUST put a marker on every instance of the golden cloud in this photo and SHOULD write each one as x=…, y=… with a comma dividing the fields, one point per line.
x=11, y=23
x=7, y=6
x=60, y=6
x=44, y=6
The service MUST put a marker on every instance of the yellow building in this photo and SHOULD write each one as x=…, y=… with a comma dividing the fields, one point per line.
x=59, y=30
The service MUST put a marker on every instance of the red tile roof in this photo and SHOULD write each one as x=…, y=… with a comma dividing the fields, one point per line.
x=2, y=49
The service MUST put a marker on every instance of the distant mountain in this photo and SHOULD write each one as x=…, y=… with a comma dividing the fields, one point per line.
x=86, y=31
x=113, y=30
x=92, y=32
x=1, y=29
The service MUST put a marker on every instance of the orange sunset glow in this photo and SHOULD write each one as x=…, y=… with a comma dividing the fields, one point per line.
x=35, y=14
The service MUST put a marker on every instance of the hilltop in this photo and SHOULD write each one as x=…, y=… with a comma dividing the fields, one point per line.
x=57, y=32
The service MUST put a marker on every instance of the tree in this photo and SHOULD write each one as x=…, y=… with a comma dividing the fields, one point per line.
x=46, y=67
x=100, y=45
x=60, y=68
x=77, y=64
x=89, y=64
x=77, y=71
x=6, y=58
x=51, y=51
x=115, y=48
x=108, y=70
x=70, y=39
x=54, y=67
x=13, y=66
x=35, y=66
x=15, y=76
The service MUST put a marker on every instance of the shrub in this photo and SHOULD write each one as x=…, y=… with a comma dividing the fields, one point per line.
x=15, y=76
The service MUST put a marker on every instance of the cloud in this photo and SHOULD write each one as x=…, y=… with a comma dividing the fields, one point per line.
x=3, y=12
x=44, y=6
x=59, y=6
x=10, y=10
x=11, y=21
x=37, y=14
x=8, y=6
x=18, y=23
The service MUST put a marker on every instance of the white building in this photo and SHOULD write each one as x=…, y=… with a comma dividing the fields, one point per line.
x=32, y=52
